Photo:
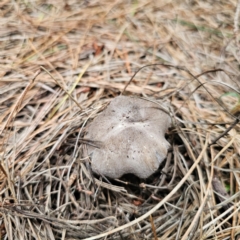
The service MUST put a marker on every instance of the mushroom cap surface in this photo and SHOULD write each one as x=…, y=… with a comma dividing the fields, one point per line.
x=131, y=131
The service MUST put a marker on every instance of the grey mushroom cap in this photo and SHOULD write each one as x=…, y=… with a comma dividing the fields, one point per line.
x=131, y=131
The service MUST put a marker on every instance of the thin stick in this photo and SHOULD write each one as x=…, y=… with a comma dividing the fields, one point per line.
x=58, y=83
x=153, y=228
x=236, y=18
x=225, y=132
x=19, y=101
x=191, y=228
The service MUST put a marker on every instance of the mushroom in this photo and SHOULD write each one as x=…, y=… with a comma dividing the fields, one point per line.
x=131, y=131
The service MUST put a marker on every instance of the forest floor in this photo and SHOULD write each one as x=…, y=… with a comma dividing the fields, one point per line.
x=61, y=62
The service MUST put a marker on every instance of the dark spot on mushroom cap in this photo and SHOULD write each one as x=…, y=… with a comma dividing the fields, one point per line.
x=139, y=137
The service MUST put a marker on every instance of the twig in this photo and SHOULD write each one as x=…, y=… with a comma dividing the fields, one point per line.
x=153, y=228
x=225, y=132
x=69, y=95
x=236, y=17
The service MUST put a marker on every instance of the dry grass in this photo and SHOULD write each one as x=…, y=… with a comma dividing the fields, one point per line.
x=62, y=61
